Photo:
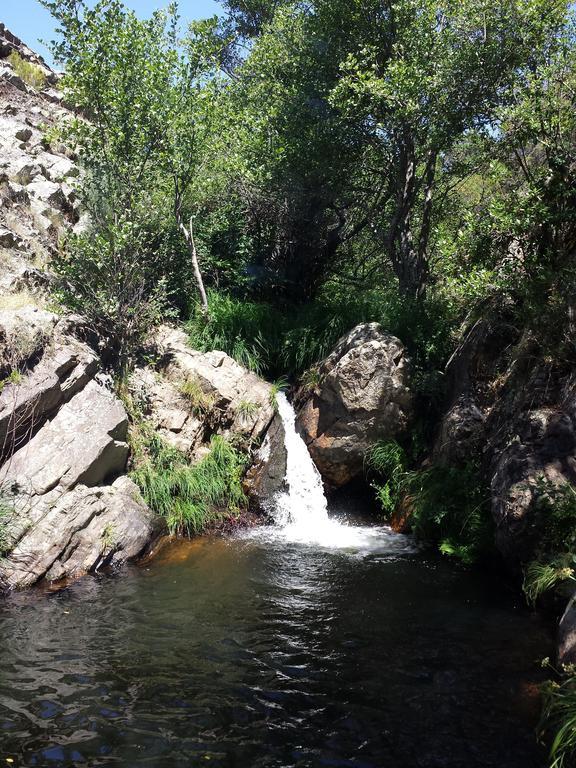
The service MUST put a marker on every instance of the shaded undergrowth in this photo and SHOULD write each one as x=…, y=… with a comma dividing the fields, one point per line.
x=447, y=506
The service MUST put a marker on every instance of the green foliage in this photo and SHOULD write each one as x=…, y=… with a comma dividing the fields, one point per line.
x=559, y=717
x=540, y=577
x=445, y=505
x=14, y=377
x=201, y=402
x=140, y=88
x=275, y=388
x=555, y=533
x=6, y=511
x=190, y=498
x=275, y=340
x=108, y=538
x=109, y=277
x=30, y=73
x=247, y=409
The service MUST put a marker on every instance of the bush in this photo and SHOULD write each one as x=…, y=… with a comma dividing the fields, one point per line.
x=112, y=277
x=445, y=505
x=190, y=498
x=30, y=73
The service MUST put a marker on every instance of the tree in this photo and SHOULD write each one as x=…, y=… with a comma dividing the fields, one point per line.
x=353, y=110
x=138, y=91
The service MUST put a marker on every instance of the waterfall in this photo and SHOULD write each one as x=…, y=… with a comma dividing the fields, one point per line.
x=300, y=512
x=303, y=503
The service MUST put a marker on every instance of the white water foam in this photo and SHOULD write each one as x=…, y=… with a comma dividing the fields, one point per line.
x=301, y=511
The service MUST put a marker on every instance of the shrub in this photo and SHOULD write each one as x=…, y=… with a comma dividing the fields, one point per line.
x=446, y=505
x=190, y=498
x=30, y=73
x=112, y=278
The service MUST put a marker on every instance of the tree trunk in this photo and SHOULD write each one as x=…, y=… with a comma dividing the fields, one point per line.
x=189, y=236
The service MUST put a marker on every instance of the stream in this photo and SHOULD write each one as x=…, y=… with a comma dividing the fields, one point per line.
x=322, y=640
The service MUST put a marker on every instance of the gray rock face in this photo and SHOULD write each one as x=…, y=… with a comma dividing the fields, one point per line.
x=515, y=415
x=224, y=398
x=61, y=516
x=461, y=433
x=567, y=635
x=267, y=476
x=363, y=396
x=38, y=203
x=81, y=532
x=25, y=405
x=540, y=449
x=83, y=444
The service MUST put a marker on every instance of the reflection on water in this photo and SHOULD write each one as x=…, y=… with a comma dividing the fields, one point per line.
x=259, y=652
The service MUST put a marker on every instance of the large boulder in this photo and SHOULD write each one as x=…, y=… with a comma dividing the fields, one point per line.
x=63, y=519
x=362, y=396
x=28, y=400
x=85, y=443
x=193, y=395
x=83, y=531
x=538, y=457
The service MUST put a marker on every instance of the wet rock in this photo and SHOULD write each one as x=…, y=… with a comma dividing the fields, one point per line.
x=363, y=396
x=81, y=532
x=267, y=476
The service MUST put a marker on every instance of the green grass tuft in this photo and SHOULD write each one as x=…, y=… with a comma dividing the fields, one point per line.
x=30, y=73
x=539, y=577
x=191, y=498
x=559, y=717
x=201, y=402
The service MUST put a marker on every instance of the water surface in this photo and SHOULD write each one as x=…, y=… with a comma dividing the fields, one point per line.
x=259, y=652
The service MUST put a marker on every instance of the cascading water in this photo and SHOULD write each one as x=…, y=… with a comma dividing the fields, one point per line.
x=301, y=511
x=303, y=503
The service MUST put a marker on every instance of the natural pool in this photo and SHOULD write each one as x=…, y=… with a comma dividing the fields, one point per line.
x=261, y=652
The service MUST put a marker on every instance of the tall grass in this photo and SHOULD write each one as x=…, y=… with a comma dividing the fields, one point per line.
x=540, y=577
x=190, y=498
x=559, y=717
x=286, y=339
